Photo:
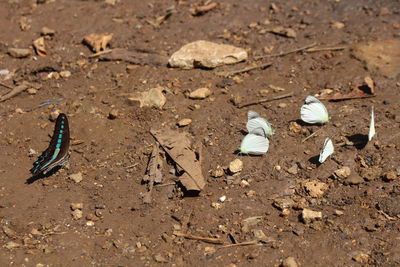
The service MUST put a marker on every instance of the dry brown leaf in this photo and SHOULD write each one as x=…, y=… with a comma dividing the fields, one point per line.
x=97, y=42
x=39, y=46
x=361, y=90
x=178, y=146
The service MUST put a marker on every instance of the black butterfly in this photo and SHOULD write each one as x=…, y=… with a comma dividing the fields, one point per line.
x=56, y=155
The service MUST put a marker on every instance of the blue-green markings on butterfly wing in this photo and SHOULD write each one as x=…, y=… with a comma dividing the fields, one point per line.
x=57, y=152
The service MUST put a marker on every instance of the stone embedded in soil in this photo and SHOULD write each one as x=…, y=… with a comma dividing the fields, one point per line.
x=65, y=74
x=184, y=122
x=204, y=54
x=289, y=262
x=200, y=93
x=19, y=52
x=382, y=56
x=283, y=203
x=47, y=31
x=315, y=188
x=390, y=206
x=361, y=257
x=294, y=169
x=236, y=166
x=76, y=177
x=309, y=216
x=77, y=214
x=218, y=172
x=354, y=179
x=390, y=176
x=337, y=25
x=76, y=206
x=343, y=172
x=159, y=258
x=370, y=174
x=11, y=245
x=53, y=115
x=249, y=222
x=151, y=98
x=113, y=114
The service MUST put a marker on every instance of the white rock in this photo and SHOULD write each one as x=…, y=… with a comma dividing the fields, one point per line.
x=204, y=54
x=236, y=166
x=222, y=199
x=151, y=98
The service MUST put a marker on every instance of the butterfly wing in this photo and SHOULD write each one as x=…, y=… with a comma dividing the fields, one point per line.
x=326, y=151
x=254, y=144
x=251, y=114
x=371, y=133
x=57, y=152
x=260, y=123
x=313, y=111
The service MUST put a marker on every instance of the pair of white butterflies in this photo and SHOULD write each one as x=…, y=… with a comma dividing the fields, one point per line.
x=313, y=111
x=256, y=141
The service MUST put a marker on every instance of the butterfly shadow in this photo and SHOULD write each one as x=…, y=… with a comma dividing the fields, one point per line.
x=315, y=160
x=237, y=152
x=40, y=176
x=359, y=140
x=303, y=123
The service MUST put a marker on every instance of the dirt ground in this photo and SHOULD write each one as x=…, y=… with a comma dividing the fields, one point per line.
x=359, y=221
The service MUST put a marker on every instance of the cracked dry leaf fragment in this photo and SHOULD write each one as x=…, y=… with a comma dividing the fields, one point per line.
x=179, y=147
x=97, y=42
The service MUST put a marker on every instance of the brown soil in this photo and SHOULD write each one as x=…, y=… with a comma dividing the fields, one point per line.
x=360, y=223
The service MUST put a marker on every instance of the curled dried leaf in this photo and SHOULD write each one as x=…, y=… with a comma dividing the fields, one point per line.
x=39, y=46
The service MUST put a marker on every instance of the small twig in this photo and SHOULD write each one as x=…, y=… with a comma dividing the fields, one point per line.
x=266, y=100
x=311, y=135
x=163, y=185
x=247, y=243
x=333, y=48
x=200, y=238
x=6, y=86
x=230, y=73
x=287, y=52
x=100, y=53
x=15, y=91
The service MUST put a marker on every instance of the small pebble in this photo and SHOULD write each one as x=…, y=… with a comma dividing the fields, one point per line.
x=53, y=115
x=65, y=74
x=19, y=111
x=184, y=122
x=289, y=262
x=309, y=216
x=236, y=166
x=337, y=25
x=218, y=172
x=389, y=176
x=222, y=199
x=76, y=206
x=200, y=93
x=282, y=105
x=32, y=91
x=113, y=114
x=76, y=177
x=77, y=214
x=89, y=223
x=47, y=31
x=343, y=172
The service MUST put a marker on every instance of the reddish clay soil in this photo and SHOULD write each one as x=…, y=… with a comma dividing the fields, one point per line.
x=360, y=222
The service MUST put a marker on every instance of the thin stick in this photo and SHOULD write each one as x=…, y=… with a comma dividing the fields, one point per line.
x=287, y=52
x=266, y=100
x=101, y=53
x=200, y=238
x=332, y=48
x=311, y=135
x=230, y=73
x=247, y=243
x=15, y=91
x=6, y=86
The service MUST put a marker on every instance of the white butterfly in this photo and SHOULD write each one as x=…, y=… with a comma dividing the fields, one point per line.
x=313, y=111
x=371, y=126
x=254, y=120
x=326, y=151
x=255, y=142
